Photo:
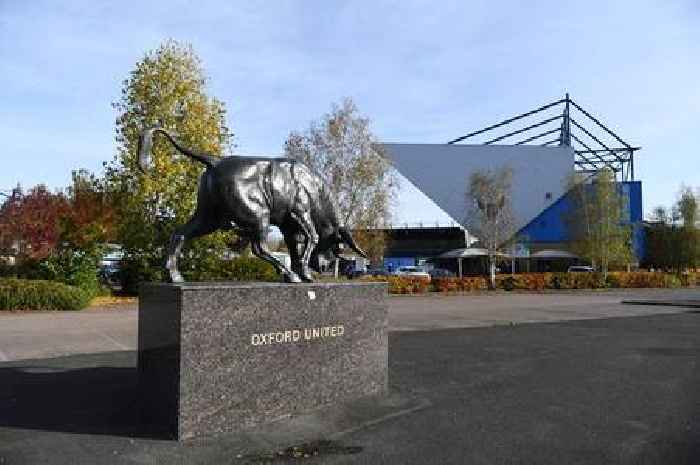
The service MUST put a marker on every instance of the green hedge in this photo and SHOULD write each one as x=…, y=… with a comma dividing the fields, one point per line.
x=24, y=294
x=75, y=268
x=68, y=266
x=237, y=269
x=136, y=270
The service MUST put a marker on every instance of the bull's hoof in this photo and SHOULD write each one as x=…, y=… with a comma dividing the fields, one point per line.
x=306, y=277
x=176, y=277
x=291, y=278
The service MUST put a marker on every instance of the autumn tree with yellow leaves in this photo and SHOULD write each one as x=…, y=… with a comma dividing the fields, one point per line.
x=168, y=88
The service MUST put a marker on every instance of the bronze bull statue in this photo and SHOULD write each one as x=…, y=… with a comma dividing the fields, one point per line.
x=248, y=194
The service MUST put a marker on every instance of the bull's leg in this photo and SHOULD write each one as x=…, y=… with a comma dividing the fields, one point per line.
x=290, y=239
x=304, y=221
x=195, y=227
x=260, y=250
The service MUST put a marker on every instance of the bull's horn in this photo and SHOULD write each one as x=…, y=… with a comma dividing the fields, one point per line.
x=144, y=149
x=347, y=238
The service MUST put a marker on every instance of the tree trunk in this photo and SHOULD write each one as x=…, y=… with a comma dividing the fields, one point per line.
x=604, y=265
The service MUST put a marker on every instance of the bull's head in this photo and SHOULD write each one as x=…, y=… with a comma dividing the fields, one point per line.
x=329, y=247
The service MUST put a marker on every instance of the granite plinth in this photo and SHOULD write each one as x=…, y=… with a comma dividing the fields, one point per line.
x=218, y=357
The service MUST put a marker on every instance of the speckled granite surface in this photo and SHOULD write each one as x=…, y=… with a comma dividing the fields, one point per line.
x=217, y=357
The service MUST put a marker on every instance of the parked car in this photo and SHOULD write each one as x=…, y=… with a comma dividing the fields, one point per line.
x=440, y=273
x=109, y=275
x=580, y=269
x=353, y=274
x=412, y=272
x=376, y=272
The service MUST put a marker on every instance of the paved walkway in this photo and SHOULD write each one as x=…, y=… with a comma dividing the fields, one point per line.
x=106, y=329
x=437, y=311
x=605, y=391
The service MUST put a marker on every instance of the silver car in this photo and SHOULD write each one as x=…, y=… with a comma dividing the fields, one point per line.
x=412, y=272
x=580, y=269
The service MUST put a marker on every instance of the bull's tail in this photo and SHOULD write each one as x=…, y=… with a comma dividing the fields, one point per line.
x=347, y=238
x=146, y=142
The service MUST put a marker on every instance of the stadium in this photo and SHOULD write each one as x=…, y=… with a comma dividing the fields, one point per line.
x=543, y=147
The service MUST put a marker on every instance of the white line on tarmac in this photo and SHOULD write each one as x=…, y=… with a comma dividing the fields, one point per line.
x=3, y=357
x=114, y=341
x=424, y=403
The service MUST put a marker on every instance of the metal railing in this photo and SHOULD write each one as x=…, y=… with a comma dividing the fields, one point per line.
x=424, y=224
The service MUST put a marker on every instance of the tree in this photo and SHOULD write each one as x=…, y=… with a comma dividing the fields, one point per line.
x=167, y=87
x=659, y=239
x=342, y=149
x=688, y=241
x=90, y=221
x=374, y=242
x=490, y=213
x=687, y=205
x=30, y=223
x=598, y=226
x=10, y=233
x=673, y=239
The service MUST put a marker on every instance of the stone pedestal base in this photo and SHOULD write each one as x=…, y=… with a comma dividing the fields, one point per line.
x=216, y=357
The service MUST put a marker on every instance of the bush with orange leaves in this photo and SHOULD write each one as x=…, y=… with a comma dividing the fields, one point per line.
x=536, y=282
x=402, y=284
x=466, y=284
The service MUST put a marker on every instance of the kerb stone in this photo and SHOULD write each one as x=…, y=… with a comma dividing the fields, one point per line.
x=218, y=357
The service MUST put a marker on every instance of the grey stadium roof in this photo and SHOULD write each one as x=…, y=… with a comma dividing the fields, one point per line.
x=441, y=172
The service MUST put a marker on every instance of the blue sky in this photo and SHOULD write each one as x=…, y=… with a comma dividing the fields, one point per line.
x=424, y=72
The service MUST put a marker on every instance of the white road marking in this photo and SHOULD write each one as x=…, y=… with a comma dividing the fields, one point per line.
x=114, y=341
x=3, y=357
x=423, y=404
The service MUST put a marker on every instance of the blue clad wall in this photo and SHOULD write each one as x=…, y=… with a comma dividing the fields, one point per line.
x=550, y=225
x=633, y=190
x=393, y=263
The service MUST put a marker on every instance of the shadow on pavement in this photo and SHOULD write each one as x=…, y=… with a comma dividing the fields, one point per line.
x=57, y=395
